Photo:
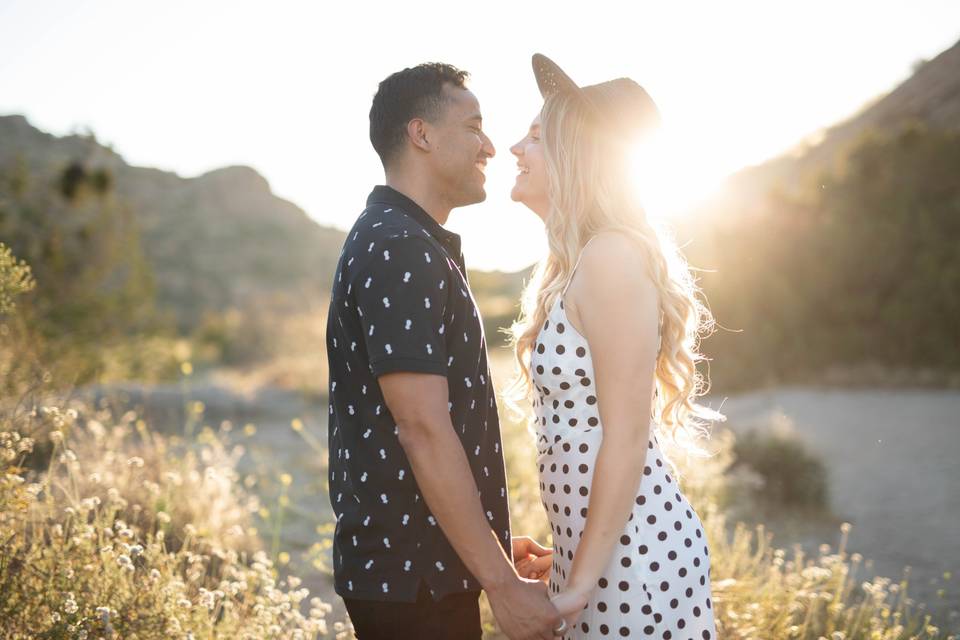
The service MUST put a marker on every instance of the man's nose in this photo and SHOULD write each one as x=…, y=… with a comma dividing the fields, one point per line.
x=488, y=146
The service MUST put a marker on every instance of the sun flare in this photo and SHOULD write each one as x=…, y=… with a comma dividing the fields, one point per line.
x=670, y=177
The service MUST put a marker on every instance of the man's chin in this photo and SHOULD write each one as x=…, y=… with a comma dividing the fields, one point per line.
x=481, y=191
x=475, y=195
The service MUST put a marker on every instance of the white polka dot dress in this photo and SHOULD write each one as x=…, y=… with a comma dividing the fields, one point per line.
x=657, y=584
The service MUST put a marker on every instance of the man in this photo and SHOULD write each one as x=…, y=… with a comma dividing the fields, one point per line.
x=417, y=478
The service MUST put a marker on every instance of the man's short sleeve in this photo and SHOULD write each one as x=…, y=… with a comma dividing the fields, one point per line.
x=401, y=293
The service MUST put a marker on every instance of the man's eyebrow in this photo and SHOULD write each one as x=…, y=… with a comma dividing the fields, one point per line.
x=475, y=116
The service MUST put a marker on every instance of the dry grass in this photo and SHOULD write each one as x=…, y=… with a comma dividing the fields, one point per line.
x=140, y=537
x=111, y=530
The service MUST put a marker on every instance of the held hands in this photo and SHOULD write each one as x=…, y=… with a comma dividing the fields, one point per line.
x=531, y=560
x=534, y=561
x=523, y=609
x=520, y=605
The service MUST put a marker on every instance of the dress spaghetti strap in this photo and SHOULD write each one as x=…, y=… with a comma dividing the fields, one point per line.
x=576, y=264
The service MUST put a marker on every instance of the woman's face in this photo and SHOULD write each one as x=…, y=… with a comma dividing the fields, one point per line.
x=530, y=187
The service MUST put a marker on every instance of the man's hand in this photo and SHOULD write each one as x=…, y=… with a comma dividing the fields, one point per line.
x=523, y=610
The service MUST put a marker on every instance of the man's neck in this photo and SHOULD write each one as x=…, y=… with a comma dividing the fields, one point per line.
x=418, y=190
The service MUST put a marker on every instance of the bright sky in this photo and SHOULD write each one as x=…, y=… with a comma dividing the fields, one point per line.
x=285, y=87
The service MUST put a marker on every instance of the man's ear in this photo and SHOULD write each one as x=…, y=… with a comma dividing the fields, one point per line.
x=417, y=132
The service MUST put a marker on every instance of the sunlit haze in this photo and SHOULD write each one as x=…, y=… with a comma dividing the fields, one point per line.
x=286, y=87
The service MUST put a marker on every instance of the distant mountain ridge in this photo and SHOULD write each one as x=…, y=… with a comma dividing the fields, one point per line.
x=218, y=239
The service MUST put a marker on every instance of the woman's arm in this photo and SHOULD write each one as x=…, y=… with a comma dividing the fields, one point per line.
x=617, y=305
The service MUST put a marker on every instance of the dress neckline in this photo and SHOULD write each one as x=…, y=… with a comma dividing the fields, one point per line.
x=559, y=303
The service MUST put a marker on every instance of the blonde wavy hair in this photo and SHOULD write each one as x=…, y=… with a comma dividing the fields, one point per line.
x=590, y=191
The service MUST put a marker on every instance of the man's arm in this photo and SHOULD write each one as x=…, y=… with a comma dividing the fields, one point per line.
x=418, y=403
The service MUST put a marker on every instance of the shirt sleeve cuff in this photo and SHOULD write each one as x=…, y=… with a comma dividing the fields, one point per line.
x=413, y=365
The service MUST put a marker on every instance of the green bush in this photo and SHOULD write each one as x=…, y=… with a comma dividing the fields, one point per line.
x=792, y=476
x=15, y=279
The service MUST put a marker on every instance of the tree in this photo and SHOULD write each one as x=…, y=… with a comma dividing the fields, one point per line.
x=94, y=286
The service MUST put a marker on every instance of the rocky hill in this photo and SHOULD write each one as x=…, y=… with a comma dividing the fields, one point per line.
x=218, y=239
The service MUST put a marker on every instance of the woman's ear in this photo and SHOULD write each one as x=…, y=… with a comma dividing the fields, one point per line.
x=417, y=132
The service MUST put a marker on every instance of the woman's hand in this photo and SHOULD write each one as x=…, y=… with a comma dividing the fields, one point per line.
x=536, y=568
x=570, y=604
x=531, y=559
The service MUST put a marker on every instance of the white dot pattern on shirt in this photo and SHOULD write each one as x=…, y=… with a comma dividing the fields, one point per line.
x=389, y=310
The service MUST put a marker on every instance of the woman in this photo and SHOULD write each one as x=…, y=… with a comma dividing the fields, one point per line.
x=607, y=335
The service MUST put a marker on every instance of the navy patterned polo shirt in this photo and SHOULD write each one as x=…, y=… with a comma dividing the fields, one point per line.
x=401, y=302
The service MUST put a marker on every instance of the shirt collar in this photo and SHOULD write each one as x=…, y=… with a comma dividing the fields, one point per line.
x=382, y=194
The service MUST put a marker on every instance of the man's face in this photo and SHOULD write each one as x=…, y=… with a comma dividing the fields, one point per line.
x=459, y=148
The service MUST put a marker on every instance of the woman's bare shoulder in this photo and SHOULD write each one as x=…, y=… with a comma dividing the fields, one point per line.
x=614, y=257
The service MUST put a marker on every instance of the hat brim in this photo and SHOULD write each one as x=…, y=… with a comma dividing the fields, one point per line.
x=550, y=77
x=631, y=110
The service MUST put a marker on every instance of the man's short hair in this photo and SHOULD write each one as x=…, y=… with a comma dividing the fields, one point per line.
x=415, y=92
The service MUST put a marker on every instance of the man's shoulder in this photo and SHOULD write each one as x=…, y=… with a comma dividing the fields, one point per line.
x=388, y=240
x=387, y=224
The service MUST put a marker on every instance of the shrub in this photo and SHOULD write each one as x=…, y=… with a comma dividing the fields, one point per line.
x=792, y=476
